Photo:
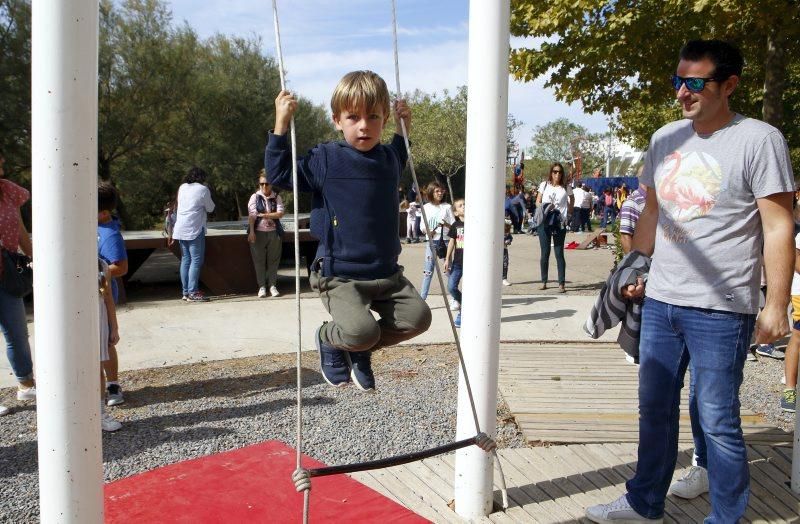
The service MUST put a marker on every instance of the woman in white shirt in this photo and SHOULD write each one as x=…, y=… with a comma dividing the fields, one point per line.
x=554, y=226
x=440, y=216
x=194, y=201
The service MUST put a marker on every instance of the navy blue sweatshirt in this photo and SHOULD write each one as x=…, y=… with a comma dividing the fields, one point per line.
x=353, y=205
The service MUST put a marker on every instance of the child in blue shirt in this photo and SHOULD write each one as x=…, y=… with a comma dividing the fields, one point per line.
x=353, y=183
x=111, y=248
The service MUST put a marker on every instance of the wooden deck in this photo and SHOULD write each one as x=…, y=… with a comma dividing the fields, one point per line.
x=588, y=393
x=584, y=397
x=555, y=484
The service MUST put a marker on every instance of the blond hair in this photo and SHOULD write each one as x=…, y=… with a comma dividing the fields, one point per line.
x=360, y=90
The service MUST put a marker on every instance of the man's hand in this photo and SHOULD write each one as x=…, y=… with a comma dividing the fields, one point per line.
x=402, y=112
x=446, y=266
x=772, y=324
x=251, y=237
x=285, y=106
x=634, y=291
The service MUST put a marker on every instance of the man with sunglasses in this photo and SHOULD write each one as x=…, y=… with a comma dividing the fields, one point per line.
x=720, y=187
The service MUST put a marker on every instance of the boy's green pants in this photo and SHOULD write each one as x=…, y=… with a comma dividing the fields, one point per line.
x=403, y=314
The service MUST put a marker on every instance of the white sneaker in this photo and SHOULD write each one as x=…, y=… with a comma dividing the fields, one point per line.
x=506, y=282
x=692, y=484
x=108, y=423
x=262, y=292
x=274, y=291
x=24, y=393
x=4, y=410
x=619, y=512
x=454, y=305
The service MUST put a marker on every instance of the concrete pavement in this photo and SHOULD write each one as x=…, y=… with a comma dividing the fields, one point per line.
x=157, y=329
x=159, y=333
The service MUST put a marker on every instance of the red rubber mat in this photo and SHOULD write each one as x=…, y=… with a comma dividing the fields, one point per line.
x=251, y=484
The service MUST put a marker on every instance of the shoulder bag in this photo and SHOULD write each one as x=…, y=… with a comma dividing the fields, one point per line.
x=441, y=245
x=17, y=277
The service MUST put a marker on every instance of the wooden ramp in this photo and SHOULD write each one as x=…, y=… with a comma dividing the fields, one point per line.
x=588, y=393
x=555, y=484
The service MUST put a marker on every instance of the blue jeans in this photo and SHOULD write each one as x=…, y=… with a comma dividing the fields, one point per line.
x=455, y=279
x=427, y=270
x=609, y=216
x=192, y=254
x=713, y=345
x=557, y=234
x=15, y=330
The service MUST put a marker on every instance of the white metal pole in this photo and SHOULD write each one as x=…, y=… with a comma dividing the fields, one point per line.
x=64, y=145
x=487, y=110
x=796, y=450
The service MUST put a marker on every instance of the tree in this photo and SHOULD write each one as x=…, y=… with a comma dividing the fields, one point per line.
x=169, y=101
x=440, y=131
x=616, y=57
x=15, y=87
x=564, y=141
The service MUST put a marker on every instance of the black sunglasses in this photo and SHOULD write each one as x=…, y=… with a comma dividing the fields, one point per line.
x=263, y=183
x=693, y=84
x=556, y=171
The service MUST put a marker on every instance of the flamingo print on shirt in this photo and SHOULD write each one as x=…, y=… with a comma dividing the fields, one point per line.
x=688, y=185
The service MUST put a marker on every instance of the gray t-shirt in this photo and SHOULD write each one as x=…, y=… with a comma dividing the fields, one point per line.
x=709, y=237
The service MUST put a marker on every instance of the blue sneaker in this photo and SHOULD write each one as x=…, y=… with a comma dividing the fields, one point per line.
x=333, y=363
x=768, y=350
x=457, y=321
x=361, y=369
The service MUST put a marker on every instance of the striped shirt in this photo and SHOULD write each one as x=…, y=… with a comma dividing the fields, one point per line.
x=630, y=211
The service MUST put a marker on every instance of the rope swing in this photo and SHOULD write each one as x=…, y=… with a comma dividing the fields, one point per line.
x=302, y=477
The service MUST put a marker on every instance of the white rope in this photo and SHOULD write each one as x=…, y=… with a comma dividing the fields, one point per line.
x=431, y=246
x=436, y=262
x=296, y=204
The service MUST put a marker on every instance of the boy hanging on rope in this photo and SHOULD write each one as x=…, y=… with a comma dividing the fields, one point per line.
x=354, y=215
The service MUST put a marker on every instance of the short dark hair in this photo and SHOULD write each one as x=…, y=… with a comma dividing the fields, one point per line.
x=726, y=57
x=195, y=174
x=106, y=197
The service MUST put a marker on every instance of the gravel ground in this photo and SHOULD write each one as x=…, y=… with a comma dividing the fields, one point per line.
x=183, y=412
x=762, y=388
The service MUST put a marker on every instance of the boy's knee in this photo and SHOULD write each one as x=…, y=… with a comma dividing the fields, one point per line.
x=362, y=338
x=418, y=321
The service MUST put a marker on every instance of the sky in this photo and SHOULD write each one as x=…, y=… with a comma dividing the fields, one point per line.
x=324, y=39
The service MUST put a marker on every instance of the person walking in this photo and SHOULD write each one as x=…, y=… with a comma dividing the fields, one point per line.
x=719, y=186
x=440, y=216
x=13, y=322
x=586, y=208
x=264, y=213
x=553, y=229
x=194, y=202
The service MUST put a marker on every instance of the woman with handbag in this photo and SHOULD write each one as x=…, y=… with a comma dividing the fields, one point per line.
x=557, y=199
x=264, y=232
x=13, y=322
x=194, y=202
x=440, y=216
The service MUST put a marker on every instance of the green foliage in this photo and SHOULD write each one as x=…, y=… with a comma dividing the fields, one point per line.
x=167, y=101
x=439, y=136
x=562, y=141
x=15, y=87
x=616, y=57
